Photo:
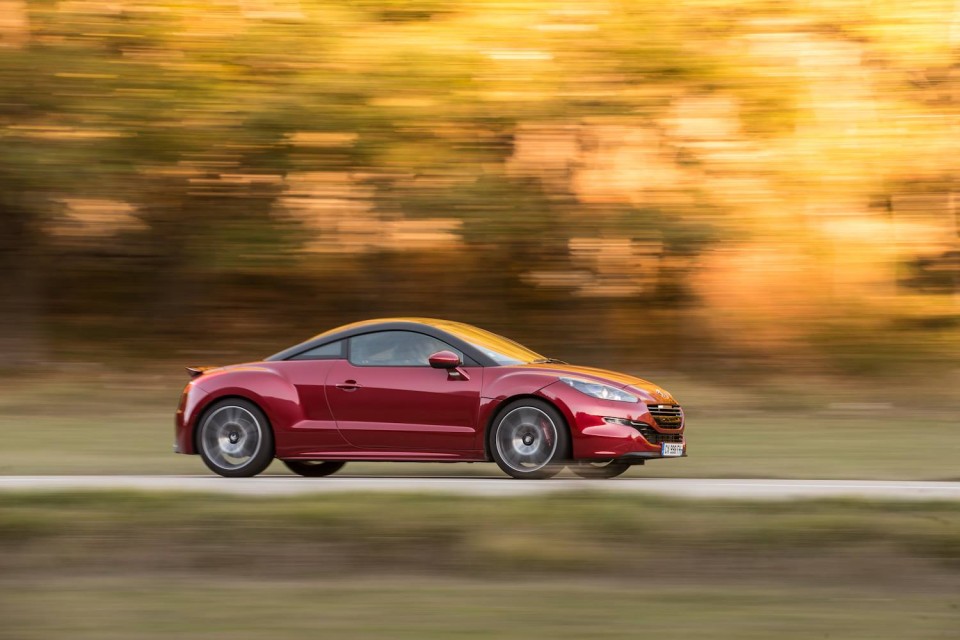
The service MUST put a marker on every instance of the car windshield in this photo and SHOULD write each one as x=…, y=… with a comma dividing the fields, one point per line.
x=503, y=351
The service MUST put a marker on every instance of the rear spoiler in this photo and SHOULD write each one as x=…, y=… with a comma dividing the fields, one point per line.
x=196, y=372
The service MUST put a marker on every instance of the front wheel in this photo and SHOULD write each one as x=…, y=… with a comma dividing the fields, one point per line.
x=314, y=468
x=235, y=439
x=599, y=469
x=529, y=440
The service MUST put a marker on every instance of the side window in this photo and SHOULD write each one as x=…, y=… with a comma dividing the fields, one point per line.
x=332, y=351
x=395, y=349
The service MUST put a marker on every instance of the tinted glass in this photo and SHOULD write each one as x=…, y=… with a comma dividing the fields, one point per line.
x=395, y=349
x=332, y=351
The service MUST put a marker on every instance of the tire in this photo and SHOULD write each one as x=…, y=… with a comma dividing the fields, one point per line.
x=314, y=468
x=596, y=470
x=529, y=440
x=234, y=438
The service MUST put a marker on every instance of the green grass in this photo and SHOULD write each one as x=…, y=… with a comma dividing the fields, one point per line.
x=130, y=565
x=343, y=607
x=570, y=533
x=106, y=422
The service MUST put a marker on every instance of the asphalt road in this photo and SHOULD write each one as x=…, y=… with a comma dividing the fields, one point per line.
x=497, y=486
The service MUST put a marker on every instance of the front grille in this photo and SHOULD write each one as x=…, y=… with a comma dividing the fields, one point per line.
x=667, y=416
x=655, y=437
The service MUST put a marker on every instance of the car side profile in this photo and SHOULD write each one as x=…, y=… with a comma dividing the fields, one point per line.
x=417, y=389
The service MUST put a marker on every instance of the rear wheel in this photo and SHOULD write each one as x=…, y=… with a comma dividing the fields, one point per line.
x=529, y=440
x=599, y=469
x=313, y=468
x=235, y=439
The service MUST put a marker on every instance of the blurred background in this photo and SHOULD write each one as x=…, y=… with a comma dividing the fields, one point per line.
x=755, y=204
x=733, y=185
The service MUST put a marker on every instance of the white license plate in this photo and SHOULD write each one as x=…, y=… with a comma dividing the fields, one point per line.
x=671, y=449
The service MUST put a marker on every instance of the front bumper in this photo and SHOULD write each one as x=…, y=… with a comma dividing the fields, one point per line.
x=639, y=457
x=605, y=429
x=606, y=441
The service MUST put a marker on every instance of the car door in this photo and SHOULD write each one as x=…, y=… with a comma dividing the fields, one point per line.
x=386, y=396
x=317, y=431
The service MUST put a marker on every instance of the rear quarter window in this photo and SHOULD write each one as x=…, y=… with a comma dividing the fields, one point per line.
x=332, y=351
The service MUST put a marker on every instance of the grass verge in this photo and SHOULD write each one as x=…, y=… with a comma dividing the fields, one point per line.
x=572, y=533
x=417, y=608
x=130, y=565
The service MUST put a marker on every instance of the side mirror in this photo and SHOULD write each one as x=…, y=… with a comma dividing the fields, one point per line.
x=445, y=360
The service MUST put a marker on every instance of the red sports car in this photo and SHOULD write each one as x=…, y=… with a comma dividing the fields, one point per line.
x=414, y=389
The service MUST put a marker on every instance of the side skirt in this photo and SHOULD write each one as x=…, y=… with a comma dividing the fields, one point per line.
x=392, y=456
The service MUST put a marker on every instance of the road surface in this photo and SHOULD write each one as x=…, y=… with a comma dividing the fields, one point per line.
x=497, y=486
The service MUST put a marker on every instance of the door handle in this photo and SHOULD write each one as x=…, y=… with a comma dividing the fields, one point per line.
x=349, y=385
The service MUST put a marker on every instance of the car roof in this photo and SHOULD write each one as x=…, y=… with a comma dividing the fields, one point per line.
x=430, y=322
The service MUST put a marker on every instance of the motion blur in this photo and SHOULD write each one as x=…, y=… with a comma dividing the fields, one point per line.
x=754, y=203
x=713, y=182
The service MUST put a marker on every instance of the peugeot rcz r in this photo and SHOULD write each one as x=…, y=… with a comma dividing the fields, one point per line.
x=415, y=389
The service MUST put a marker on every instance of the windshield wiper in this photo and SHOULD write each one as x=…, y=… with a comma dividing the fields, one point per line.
x=548, y=361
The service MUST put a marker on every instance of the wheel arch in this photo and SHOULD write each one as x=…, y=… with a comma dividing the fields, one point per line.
x=504, y=403
x=212, y=401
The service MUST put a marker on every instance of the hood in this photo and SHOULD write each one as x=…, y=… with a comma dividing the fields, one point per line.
x=648, y=391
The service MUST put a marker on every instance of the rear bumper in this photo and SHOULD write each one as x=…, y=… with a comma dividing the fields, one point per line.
x=182, y=436
x=186, y=417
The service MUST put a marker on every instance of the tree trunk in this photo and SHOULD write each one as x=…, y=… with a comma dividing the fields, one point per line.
x=20, y=297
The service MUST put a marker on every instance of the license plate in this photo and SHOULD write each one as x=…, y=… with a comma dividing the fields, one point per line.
x=671, y=449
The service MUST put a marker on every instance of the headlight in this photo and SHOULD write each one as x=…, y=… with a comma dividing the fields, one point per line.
x=597, y=390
